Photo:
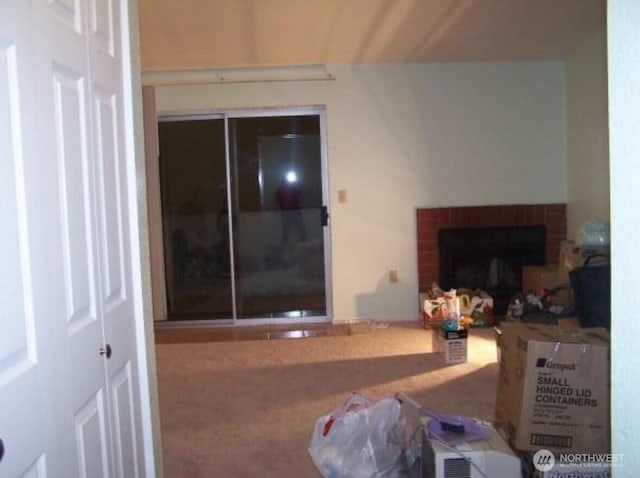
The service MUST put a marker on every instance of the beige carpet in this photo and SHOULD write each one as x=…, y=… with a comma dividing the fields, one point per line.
x=247, y=408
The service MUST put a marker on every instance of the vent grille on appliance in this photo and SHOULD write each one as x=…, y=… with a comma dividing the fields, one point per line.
x=457, y=468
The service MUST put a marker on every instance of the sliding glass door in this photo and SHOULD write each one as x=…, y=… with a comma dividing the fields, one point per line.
x=243, y=216
x=193, y=182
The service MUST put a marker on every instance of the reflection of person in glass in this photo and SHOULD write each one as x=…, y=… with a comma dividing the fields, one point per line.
x=288, y=197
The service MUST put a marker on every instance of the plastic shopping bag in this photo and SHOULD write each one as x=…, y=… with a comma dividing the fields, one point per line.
x=362, y=438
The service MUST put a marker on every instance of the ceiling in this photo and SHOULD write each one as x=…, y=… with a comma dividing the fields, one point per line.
x=200, y=34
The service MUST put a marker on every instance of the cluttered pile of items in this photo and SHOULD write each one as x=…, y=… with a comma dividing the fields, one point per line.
x=450, y=314
x=398, y=437
x=578, y=286
x=552, y=409
x=552, y=418
x=456, y=308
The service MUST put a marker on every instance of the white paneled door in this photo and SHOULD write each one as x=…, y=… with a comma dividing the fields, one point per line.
x=69, y=383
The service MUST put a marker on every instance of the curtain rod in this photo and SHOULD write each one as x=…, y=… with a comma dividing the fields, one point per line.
x=238, y=75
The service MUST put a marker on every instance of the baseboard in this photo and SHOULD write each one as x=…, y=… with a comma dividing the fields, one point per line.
x=375, y=320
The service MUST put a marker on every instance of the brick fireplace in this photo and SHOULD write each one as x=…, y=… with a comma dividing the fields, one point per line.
x=431, y=220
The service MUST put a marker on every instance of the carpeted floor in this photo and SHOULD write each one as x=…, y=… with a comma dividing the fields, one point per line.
x=247, y=408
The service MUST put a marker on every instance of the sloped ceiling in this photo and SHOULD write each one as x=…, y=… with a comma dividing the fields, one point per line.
x=199, y=34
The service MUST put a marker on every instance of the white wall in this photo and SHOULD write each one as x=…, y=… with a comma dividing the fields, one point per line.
x=587, y=133
x=624, y=124
x=401, y=137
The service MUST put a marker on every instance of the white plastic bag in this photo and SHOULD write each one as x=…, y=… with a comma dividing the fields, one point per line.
x=361, y=439
x=594, y=233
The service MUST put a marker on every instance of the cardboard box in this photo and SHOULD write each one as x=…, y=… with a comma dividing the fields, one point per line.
x=536, y=279
x=451, y=344
x=569, y=257
x=553, y=388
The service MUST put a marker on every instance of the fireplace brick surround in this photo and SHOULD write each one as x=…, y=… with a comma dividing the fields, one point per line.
x=431, y=220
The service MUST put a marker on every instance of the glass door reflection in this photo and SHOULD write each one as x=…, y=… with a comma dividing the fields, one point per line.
x=195, y=215
x=279, y=238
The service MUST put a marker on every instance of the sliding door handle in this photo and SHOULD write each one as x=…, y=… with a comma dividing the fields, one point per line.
x=324, y=216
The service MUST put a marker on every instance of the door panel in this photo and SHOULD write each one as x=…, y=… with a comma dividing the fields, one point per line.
x=37, y=469
x=68, y=280
x=80, y=281
x=278, y=236
x=112, y=262
x=124, y=423
x=90, y=433
x=69, y=13
x=17, y=349
x=114, y=221
x=26, y=427
x=75, y=203
x=195, y=218
x=102, y=27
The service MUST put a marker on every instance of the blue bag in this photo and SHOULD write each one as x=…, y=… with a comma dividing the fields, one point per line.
x=591, y=284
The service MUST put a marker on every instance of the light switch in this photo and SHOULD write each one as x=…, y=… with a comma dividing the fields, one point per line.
x=393, y=275
x=342, y=195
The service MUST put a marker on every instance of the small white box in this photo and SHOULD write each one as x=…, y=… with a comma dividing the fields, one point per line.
x=452, y=344
x=490, y=457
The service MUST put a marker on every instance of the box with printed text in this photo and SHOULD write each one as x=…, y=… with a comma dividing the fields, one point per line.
x=452, y=344
x=553, y=390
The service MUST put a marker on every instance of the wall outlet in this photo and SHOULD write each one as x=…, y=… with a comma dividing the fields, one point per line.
x=393, y=275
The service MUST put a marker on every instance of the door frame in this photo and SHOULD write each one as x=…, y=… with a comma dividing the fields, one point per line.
x=159, y=288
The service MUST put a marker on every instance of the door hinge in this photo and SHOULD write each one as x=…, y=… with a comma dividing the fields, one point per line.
x=1, y=449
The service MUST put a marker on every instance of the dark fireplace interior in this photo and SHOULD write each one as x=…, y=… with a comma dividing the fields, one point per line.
x=490, y=258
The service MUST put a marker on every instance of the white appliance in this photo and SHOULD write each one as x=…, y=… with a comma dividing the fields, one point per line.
x=490, y=458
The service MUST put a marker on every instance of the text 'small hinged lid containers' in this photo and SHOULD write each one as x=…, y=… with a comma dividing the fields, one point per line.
x=553, y=390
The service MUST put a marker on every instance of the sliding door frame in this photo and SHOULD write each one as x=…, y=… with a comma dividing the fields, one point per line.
x=158, y=273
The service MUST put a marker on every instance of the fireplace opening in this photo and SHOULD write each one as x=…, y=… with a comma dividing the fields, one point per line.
x=490, y=258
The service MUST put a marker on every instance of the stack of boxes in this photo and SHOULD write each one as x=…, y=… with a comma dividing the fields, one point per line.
x=553, y=403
